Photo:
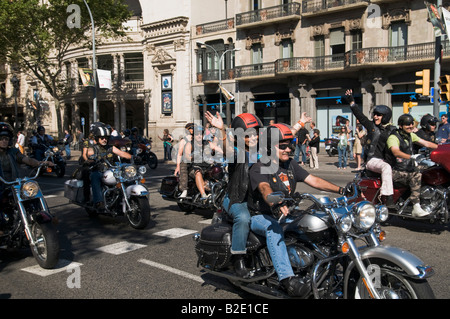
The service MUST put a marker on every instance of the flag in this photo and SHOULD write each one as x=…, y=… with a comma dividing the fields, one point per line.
x=104, y=79
x=225, y=92
x=435, y=19
x=86, y=76
x=446, y=16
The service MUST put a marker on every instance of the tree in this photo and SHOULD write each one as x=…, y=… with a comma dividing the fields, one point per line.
x=35, y=36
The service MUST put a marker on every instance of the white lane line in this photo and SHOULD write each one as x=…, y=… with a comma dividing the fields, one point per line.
x=120, y=248
x=62, y=265
x=175, y=232
x=172, y=270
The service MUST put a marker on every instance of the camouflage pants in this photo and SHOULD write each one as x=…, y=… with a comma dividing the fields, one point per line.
x=412, y=179
x=183, y=176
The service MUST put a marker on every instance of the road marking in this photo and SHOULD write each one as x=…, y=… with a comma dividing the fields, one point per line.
x=172, y=270
x=206, y=221
x=120, y=248
x=175, y=232
x=62, y=265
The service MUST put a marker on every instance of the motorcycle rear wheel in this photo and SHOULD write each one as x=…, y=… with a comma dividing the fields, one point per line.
x=46, y=251
x=139, y=216
x=152, y=160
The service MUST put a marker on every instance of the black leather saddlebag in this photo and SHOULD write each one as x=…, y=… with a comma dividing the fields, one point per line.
x=213, y=246
x=168, y=185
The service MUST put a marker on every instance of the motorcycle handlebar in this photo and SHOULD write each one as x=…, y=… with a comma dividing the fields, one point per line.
x=18, y=180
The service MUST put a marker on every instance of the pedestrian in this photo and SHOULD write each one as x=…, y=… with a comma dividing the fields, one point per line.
x=350, y=139
x=359, y=144
x=80, y=139
x=20, y=142
x=314, y=146
x=302, y=138
x=342, y=147
x=67, y=140
x=443, y=132
x=167, y=144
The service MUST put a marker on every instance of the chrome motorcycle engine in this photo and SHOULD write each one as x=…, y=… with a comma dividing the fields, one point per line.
x=299, y=256
x=430, y=198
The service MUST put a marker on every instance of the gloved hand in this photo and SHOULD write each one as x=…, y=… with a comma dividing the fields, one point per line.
x=417, y=158
x=347, y=191
x=348, y=97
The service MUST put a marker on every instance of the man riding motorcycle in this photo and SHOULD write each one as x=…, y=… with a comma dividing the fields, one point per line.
x=400, y=156
x=264, y=215
x=102, y=150
x=427, y=131
x=40, y=142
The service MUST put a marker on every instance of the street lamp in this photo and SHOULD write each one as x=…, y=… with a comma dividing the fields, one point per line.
x=94, y=68
x=220, y=68
x=15, y=82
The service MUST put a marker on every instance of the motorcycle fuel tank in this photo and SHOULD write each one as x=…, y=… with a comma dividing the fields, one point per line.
x=314, y=226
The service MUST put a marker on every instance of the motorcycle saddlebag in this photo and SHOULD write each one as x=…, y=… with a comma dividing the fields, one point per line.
x=73, y=190
x=213, y=246
x=168, y=185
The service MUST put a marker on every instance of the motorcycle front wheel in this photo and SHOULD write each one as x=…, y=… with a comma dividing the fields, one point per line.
x=46, y=251
x=393, y=285
x=139, y=216
x=60, y=170
x=152, y=160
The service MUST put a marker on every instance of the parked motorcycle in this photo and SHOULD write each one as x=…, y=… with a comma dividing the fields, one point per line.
x=144, y=155
x=323, y=243
x=331, y=145
x=216, y=179
x=26, y=221
x=434, y=193
x=123, y=193
x=54, y=154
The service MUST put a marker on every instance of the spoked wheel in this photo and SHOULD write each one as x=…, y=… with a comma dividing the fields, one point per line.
x=139, y=216
x=46, y=250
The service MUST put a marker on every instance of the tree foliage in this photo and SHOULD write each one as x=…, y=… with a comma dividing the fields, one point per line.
x=35, y=36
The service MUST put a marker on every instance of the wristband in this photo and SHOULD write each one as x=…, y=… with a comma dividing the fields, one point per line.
x=301, y=123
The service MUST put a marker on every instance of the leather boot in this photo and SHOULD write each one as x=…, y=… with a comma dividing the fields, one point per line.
x=239, y=267
x=388, y=201
x=296, y=286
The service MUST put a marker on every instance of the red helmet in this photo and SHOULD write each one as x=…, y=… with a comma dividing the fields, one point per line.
x=246, y=121
x=216, y=172
x=281, y=132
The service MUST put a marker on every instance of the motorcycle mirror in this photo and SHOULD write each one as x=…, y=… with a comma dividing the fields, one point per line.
x=275, y=197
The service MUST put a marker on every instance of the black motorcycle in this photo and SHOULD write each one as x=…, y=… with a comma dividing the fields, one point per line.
x=216, y=179
x=335, y=246
x=53, y=153
x=331, y=146
x=26, y=221
x=145, y=156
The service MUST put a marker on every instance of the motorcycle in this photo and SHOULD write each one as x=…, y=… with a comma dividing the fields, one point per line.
x=144, y=155
x=434, y=192
x=26, y=221
x=331, y=146
x=323, y=244
x=123, y=193
x=54, y=153
x=216, y=179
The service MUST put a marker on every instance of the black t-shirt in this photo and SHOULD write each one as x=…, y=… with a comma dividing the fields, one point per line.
x=278, y=181
x=301, y=135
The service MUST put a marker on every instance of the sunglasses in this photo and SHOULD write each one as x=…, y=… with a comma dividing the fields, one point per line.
x=103, y=138
x=377, y=114
x=4, y=138
x=285, y=146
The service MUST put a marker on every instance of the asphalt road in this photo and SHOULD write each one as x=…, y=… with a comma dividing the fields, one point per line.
x=104, y=258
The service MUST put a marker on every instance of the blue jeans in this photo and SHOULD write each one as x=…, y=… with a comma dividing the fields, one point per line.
x=96, y=184
x=300, y=149
x=241, y=225
x=342, y=153
x=265, y=225
x=67, y=148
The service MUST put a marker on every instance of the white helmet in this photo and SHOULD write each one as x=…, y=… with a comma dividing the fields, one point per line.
x=108, y=178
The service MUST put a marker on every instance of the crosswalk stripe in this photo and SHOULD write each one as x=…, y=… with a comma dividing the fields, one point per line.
x=120, y=248
x=62, y=265
x=175, y=232
x=172, y=270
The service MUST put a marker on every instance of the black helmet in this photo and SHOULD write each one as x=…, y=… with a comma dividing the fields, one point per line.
x=127, y=132
x=134, y=130
x=40, y=128
x=428, y=120
x=405, y=119
x=385, y=111
x=246, y=121
x=281, y=133
x=99, y=129
x=6, y=130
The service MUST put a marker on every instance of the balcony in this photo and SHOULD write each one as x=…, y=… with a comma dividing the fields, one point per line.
x=314, y=7
x=212, y=76
x=215, y=26
x=281, y=13
x=365, y=57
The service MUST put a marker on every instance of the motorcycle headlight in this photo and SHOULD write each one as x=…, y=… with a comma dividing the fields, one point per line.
x=142, y=170
x=364, y=214
x=345, y=223
x=382, y=213
x=149, y=146
x=30, y=189
x=138, y=151
x=55, y=149
x=123, y=148
x=130, y=171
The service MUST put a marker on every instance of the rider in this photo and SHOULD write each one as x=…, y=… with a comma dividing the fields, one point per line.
x=400, y=156
x=102, y=150
x=135, y=139
x=286, y=174
x=40, y=142
x=378, y=131
x=182, y=165
x=428, y=124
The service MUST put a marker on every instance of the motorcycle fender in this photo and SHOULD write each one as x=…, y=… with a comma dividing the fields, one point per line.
x=42, y=217
x=396, y=260
x=137, y=190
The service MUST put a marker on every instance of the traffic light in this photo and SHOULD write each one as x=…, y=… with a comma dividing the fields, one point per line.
x=444, y=85
x=408, y=105
x=423, y=82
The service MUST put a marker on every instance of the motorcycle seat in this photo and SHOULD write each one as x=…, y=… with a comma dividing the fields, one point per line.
x=372, y=174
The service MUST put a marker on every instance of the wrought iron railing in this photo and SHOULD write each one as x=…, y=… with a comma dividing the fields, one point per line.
x=214, y=26
x=311, y=6
x=260, y=69
x=267, y=14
